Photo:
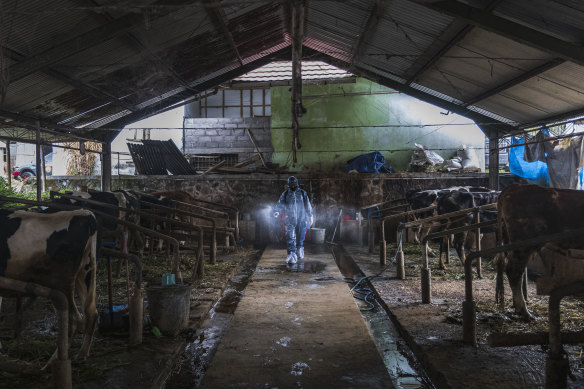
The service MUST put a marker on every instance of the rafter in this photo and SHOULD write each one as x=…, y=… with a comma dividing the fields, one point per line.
x=451, y=36
x=487, y=123
x=77, y=84
x=514, y=31
x=216, y=15
x=80, y=43
x=555, y=118
x=379, y=7
x=515, y=81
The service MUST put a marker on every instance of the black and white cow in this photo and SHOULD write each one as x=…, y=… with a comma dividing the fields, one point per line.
x=58, y=251
x=465, y=199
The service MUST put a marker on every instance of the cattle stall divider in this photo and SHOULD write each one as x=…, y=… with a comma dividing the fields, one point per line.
x=213, y=247
x=61, y=367
x=393, y=204
x=557, y=365
x=426, y=272
x=400, y=264
x=131, y=226
x=230, y=207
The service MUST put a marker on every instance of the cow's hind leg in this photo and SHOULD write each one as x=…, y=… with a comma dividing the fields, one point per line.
x=515, y=274
x=88, y=287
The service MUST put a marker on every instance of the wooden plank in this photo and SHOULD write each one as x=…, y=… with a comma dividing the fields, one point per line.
x=537, y=338
x=213, y=167
x=545, y=285
x=540, y=240
x=256, y=147
x=247, y=160
x=231, y=169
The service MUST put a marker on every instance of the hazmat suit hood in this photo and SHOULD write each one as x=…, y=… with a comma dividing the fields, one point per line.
x=291, y=180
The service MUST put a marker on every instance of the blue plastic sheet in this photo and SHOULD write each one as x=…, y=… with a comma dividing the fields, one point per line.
x=369, y=163
x=534, y=172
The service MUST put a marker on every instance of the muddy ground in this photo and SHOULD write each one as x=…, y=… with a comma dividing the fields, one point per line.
x=434, y=331
x=112, y=363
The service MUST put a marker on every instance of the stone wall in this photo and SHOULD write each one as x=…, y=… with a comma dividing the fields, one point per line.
x=254, y=194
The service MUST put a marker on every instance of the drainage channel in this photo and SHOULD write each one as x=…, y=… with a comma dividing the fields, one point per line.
x=401, y=364
x=199, y=351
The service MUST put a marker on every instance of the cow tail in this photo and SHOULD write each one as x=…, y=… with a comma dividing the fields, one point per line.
x=500, y=262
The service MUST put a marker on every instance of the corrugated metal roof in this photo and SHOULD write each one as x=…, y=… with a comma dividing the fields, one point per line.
x=131, y=59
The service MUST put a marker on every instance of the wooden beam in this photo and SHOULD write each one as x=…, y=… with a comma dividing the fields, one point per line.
x=106, y=167
x=515, y=81
x=435, y=52
x=486, y=123
x=213, y=167
x=256, y=146
x=77, y=84
x=216, y=15
x=246, y=161
x=496, y=339
x=494, y=161
x=511, y=30
x=555, y=118
x=378, y=9
x=448, y=39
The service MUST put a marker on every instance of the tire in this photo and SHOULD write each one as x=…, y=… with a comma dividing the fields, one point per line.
x=25, y=175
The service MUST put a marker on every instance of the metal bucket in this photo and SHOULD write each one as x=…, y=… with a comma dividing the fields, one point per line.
x=317, y=235
x=169, y=307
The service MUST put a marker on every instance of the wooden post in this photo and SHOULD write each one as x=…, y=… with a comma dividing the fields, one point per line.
x=370, y=239
x=8, y=163
x=478, y=244
x=400, y=263
x=38, y=161
x=469, y=333
x=44, y=171
x=426, y=276
x=136, y=317
x=557, y=364
x=494, y=161
x=382, y=246
x=106, y=167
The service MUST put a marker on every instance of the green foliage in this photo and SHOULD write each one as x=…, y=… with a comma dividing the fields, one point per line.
x=6, y=190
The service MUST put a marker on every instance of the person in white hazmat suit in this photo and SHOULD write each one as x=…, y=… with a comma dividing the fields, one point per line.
x=294, y=201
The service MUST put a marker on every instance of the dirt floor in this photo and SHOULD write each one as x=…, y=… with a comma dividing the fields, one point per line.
x=434, y=331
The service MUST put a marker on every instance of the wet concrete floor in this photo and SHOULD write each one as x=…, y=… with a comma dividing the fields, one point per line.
x=297, y=326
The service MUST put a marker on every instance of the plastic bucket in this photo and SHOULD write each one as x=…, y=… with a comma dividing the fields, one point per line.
x=169, y=307
x=317, y=235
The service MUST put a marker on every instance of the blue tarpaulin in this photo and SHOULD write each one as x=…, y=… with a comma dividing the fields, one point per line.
x=368, y=163
x=534, y=172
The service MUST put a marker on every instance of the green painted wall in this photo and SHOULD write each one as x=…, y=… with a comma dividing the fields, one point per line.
x=341, y=125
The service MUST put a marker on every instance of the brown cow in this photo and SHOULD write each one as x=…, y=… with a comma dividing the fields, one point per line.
x=529, y=211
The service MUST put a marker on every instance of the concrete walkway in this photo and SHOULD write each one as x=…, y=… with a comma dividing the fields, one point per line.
x=297, y=327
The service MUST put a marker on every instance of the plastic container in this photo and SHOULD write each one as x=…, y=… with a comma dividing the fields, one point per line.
x=317, y=235
x=169, y=307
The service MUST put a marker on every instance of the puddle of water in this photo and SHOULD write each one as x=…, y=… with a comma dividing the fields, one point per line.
x=303, y=267
x=393, y=350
